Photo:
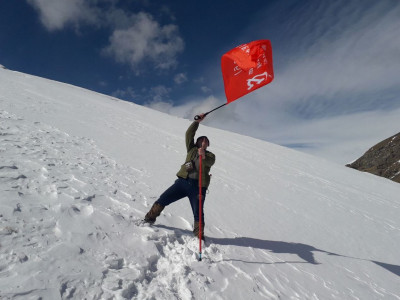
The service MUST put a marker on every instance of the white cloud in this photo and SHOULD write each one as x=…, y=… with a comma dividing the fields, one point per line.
x=56, y=14
x=146, y=40
x=135, y=38
x=159, y=93
x=206, y=89
x=180, y=78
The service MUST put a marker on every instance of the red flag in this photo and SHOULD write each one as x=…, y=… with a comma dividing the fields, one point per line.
x=247, y=68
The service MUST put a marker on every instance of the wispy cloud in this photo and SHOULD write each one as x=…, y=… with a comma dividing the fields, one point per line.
x=337, y=69
x=344, y=56
x=337, y=79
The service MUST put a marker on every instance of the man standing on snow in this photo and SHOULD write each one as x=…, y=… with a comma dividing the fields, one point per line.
x=187, y=184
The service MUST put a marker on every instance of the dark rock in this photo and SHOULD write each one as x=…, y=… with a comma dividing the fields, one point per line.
x=383, y=159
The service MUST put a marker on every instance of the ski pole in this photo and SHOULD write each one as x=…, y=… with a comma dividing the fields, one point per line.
x=197, y=117
x=200, y=205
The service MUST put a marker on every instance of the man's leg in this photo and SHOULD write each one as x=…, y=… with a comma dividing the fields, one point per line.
x=194, y=202
x=172, y=194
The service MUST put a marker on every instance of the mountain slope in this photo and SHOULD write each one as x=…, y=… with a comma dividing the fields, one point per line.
x=78, y=168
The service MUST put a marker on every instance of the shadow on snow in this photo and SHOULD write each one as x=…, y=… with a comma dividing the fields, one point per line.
x=305, y=252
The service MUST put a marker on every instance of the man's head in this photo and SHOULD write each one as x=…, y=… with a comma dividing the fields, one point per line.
x=202, y=142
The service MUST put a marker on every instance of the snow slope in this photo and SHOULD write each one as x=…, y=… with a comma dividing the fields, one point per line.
x=77, y=169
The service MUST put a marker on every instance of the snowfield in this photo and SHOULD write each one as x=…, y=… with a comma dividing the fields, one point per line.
x=78, y=170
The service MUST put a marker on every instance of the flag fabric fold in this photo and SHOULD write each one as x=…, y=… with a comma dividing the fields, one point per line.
x=247, y=68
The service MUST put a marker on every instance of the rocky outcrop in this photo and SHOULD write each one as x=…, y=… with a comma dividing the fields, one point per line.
x=383, y=159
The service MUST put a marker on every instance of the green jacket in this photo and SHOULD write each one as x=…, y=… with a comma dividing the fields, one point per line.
x=191, y=148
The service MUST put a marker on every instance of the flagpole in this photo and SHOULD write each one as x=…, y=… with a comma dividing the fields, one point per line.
x=200, y=205
x=197, y=117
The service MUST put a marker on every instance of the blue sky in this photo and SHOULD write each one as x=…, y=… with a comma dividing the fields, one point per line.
x=337, y=63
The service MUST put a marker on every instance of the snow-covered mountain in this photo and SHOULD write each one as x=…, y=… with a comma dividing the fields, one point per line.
x=77, y=169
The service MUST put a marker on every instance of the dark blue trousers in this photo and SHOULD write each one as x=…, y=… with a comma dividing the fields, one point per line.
x=184, y=188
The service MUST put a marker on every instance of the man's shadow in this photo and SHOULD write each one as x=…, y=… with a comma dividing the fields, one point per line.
x=303, y=251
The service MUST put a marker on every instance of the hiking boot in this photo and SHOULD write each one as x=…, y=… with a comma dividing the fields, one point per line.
x=196, y=229
x=153, y=213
